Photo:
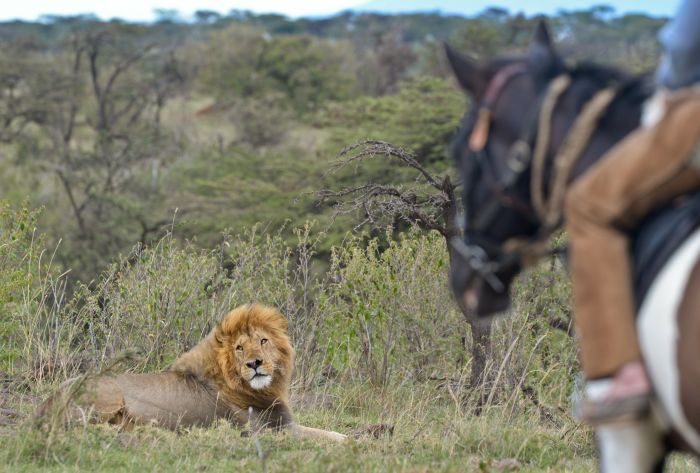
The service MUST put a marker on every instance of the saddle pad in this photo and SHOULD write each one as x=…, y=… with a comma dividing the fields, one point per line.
x=658, y=237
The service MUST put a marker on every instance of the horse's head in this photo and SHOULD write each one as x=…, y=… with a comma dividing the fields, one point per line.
x=494, y=153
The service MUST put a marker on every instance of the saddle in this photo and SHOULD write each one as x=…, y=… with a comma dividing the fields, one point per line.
x=658, y=237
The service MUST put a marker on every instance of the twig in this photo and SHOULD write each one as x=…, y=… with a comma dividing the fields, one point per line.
x=256, y=440
x=371, y=148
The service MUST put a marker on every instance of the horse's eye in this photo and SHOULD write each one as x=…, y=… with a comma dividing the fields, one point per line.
x=263, y=341
x=239, y=348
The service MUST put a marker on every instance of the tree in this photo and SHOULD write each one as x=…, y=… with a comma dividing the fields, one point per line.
x=431, y=203
x=95, y=116
x=244, y=62
x=167, y=15
x=19, y=109
x=421, y=117
x=385, y=64
x=207, y=16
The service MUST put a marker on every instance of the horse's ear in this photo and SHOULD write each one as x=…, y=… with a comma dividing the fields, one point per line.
x=543, y=57
x=542, y=36
x=466, y=70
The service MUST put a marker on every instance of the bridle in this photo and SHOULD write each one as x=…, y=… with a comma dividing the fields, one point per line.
x=485, y=257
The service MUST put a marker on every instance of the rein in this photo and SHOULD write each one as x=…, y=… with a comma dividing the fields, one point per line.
x=558, y=86
x=571, y=150
x=521, y=157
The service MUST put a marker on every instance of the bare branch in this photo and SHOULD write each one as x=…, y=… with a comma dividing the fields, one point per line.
x=378, y=200
x=371, y=148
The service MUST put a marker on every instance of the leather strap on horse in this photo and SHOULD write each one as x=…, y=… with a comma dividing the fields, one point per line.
x=575, y=142
x=554, y=92
x=480, y=133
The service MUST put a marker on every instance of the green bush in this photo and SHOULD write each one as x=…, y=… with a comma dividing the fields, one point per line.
x=32, y=299
x=421, y=117
x=18, y=250
x=390, y=312
x=381, y=312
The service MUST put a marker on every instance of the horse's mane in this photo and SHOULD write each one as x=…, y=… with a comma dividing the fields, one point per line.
x=630, y=86
x=597, y=72
x=632, y=89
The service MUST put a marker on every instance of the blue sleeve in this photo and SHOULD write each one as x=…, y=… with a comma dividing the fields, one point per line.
x=680, y=40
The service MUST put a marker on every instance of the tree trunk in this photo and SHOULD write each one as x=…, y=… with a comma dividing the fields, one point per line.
x=481, y=342
x=481, y=352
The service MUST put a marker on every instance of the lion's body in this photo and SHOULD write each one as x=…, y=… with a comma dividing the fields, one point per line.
x=167, y=399
x=242, y=367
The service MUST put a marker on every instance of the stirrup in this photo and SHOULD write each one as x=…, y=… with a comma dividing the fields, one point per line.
x=613, y=411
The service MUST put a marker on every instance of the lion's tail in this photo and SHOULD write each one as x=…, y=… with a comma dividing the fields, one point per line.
x=301, y=431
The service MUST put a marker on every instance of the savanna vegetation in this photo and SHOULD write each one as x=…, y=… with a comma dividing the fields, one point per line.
x=152, y=177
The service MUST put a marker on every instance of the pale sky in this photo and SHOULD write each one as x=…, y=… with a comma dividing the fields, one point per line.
x=143, y=10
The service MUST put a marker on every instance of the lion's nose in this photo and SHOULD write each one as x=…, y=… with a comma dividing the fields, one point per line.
x=254, y=363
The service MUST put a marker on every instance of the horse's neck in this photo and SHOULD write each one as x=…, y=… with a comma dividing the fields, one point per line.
x=627, y=116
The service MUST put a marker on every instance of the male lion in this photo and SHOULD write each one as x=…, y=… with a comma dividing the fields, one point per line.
x=240, y=372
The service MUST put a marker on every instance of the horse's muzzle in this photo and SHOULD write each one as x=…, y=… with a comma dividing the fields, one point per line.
x=478, y=298
x=473, y=291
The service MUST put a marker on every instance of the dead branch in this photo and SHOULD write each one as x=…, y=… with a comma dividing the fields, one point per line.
x=418, y=204
x=379, y=200
x=372, y=148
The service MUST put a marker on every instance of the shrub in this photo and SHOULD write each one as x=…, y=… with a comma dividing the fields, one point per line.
x=390, y=310
x=32, y=297
x=381, y=313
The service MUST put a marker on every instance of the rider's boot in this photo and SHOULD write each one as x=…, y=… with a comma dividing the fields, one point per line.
x=624, y=397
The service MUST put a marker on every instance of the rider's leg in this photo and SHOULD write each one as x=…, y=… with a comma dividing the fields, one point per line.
x=644, y=171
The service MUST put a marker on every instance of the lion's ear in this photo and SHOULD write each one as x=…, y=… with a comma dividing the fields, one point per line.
x=218, y=335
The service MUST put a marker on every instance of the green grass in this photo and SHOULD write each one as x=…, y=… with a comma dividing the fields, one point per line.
x=380, y=314
x=432, y=433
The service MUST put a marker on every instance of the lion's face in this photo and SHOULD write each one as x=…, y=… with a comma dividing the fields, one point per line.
x=255, y=348
x=256, y=358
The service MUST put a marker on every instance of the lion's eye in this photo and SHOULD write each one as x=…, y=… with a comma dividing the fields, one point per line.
x=239, y=348
x=263, y=341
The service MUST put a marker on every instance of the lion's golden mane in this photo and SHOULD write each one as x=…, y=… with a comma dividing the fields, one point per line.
x=215, y=358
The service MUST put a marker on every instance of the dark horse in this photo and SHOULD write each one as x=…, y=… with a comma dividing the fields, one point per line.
x=516, y=153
